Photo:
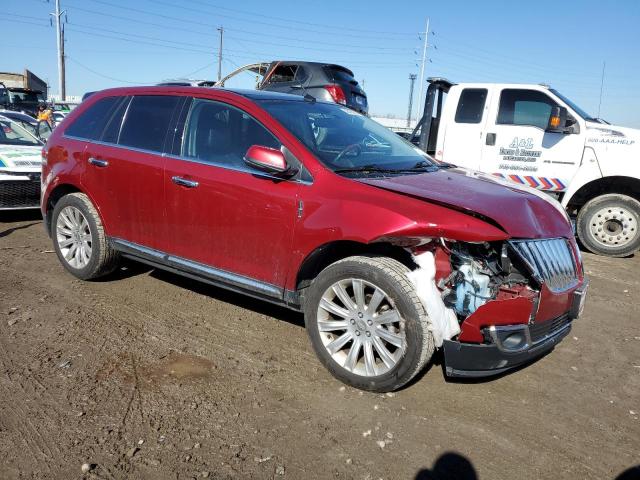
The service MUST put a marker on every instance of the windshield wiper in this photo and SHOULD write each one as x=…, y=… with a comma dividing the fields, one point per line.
x=418, y=168
x=432, y=166
x=366, y=169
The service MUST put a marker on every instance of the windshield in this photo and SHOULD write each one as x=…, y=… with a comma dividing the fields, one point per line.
x=13, y=134
x=574, y=107
x=345, y=140
x=24, y=97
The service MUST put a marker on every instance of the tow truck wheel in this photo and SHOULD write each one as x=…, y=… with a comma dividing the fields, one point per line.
x=608, y=225
x=366, y=323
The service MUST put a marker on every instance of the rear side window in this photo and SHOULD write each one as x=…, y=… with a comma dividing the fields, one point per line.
x=525, y=107
x=90, y=124
x=471, y=105
x=112, y=130
x=147, y=121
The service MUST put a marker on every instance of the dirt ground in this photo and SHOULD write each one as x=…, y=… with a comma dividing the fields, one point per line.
x=148, y=375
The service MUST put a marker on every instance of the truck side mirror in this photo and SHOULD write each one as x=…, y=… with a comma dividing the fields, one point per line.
x=557, y=120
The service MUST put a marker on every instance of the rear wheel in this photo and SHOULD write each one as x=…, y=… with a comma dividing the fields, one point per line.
x=366, y=323
x=79, y=239
x=608, y=225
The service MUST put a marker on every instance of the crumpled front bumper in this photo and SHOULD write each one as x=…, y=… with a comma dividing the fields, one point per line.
x=482, y=360
x=510, y=346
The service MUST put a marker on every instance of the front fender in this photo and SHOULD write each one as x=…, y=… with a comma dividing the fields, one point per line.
x=589, y=171
x=370, y=215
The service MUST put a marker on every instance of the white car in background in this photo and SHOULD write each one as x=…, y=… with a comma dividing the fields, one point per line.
x=20, y=167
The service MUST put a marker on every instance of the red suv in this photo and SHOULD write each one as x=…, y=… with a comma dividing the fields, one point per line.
x=311, y=205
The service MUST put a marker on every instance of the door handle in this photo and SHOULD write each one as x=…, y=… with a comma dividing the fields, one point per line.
x=491, y=139
x=98, y=163
x=184, y=182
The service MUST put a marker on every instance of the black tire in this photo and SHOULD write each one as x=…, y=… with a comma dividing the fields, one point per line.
x=603, y=241
x=104, y=258
x=390, y=276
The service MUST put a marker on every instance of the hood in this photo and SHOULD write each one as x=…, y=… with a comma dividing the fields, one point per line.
x=613, y=135
x=19, y=157
x=520, y=211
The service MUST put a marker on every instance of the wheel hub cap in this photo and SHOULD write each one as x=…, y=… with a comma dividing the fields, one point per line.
x=361, y=328
x=613, y=226
x=73, y=236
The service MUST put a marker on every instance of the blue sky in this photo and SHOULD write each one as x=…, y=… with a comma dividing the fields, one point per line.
x=122, y=42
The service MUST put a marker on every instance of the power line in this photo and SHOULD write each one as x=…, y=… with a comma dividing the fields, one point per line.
x=262, y=35
x=105, y=76
x=168, y=44
x=300, y=22
x=26, y=22
x=181, y=7
x=22, y=16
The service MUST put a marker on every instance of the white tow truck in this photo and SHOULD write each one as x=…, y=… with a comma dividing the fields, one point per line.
x=534, y=136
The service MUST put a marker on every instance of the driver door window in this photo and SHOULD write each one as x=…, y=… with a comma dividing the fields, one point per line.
x=219, y=134
x=524, y=107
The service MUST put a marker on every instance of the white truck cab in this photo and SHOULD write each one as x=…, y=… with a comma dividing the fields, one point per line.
x=534, y=136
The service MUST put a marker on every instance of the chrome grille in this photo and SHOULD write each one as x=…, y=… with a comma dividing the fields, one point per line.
x=550, y=262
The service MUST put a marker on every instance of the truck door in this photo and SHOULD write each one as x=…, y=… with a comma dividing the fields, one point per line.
x=463, y=137
x=517, y=147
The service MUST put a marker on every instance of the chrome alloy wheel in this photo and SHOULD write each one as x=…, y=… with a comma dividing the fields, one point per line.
x=73, y=236
x=614, y=226
x=361, y=328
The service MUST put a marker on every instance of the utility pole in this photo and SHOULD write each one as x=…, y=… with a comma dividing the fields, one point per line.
x=601, y=88
x=59, y=41
x=424, y=61
x=63, y=89
x=412, y=79
x=221, y=30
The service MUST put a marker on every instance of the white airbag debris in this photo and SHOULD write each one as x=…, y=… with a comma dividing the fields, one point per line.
x=443, y=322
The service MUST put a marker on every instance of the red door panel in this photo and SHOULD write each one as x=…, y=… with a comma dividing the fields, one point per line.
x=127, y=186
x=233, y=220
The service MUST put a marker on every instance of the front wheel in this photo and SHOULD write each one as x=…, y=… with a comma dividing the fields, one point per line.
x=366, y=323
x=608, y=225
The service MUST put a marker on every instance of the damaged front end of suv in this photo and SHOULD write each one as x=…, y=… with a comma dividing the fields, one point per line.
x=497, y=305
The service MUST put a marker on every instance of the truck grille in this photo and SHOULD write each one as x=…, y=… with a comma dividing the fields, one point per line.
x=19, y=194
x=550, y=262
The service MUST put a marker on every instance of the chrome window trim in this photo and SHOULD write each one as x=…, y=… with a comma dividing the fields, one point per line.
x=202, y=270
x=248, y=170
x=192, y=160
x=122, y=147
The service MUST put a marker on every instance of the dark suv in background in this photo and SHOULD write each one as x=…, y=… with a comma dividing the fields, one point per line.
x=323, y=81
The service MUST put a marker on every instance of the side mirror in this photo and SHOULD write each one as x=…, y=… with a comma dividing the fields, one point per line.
x=557, y=120
x=269, y=160
x=43, y=130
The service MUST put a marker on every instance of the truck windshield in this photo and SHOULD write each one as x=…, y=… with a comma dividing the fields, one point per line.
x=13, y=134
x=346, y=141
x=24, y=97
x=574, y=107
